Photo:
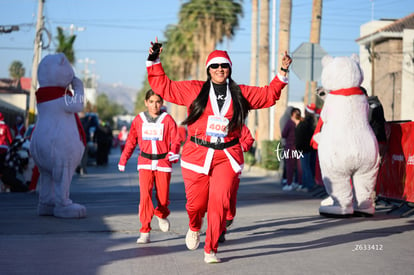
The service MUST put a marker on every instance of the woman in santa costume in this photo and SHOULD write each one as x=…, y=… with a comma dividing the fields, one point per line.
x=156, y=135
x=212, y=155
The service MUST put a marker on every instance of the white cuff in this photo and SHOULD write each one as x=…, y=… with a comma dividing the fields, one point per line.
x=149, y=63
x=282, y=78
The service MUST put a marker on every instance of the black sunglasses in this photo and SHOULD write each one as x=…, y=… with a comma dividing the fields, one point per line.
x=222, y=65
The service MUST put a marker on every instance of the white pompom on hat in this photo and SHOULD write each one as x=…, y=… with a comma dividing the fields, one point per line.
x=219, y=57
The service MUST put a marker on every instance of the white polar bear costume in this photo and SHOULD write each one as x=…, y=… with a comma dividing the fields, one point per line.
x=56, y=144
x=347, y=147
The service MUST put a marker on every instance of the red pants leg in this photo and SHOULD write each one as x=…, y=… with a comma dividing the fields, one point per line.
x=146, y=208
x=162, y=188
x=222, y=179
x=196, y=190
x=233, y=198
x=35, y=178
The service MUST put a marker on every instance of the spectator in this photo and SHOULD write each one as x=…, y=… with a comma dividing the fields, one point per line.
x=5, y=135
x=303, y=135
x=122, y=137
x=19, y=129
x=103, y=137
x=290, y=154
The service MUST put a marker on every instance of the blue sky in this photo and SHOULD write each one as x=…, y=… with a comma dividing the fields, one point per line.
x=117, y=34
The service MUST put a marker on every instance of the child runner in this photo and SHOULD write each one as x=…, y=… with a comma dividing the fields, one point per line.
x=156, y=135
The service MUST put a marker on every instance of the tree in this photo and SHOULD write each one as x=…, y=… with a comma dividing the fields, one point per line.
x=252, y=123
x=65, y=45
x=263, y=114
x=107, y=109
x=16, y=70
x=315, y=35
x=202, y=25
x=208, y=22
x=285, y=15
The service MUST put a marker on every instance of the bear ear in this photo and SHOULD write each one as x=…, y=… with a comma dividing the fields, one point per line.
x=355, y=57
x=62, y=58
x=326, y=60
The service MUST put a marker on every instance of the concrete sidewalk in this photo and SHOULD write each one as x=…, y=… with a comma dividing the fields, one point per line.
x=274, y=233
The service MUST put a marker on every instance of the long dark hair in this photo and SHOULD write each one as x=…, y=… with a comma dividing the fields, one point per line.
x=241, y=106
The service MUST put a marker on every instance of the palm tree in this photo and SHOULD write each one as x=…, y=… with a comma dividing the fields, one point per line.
x=263, y=127
x=16, y=70
x=251, y=124
x=285, y=15
x=315, y=35
x=202, y=25
x=209, y=22
x=65, y=45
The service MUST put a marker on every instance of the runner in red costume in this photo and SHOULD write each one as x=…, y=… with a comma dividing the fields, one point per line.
x=212, y=155
x=156, y=135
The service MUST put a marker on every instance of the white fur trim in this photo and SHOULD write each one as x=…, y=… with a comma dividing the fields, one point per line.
x=219, y=60
x=150, y=167
x=150, y=63
x=282, y=78
x=236, y=167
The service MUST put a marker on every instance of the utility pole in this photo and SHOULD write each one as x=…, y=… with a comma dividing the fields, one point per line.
x=36, y=57
x=315, y=37
x=87, y=79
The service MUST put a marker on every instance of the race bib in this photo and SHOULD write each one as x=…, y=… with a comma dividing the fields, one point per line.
x=217, y=126
x=152, y=131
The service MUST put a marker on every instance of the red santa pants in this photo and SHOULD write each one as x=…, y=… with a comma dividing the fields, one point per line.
x=210, y=193
x=147, y=178
x=233, y=199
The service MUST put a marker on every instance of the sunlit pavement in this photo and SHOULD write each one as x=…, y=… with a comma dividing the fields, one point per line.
x=274, y=232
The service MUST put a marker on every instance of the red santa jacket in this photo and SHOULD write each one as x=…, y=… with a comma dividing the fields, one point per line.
x=155, y=141
x=246, y=139
x=195, y=156
x=5, y=134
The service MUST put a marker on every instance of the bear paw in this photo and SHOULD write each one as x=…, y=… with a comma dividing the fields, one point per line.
x=336, y=211
x=71, y=211
x=44, y=209
x=328, y=201
x=364, y=212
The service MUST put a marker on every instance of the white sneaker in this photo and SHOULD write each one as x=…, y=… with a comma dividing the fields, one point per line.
x=144, y=238
x=192, y=239
x=164, y=224
x=211, y=258
x=287, y=188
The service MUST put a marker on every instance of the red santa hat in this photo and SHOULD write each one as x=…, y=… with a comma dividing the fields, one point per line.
x=310, y=108
x=219, y=57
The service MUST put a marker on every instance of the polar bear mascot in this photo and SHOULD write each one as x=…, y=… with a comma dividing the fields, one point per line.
x=57, y=142
x=347, y=147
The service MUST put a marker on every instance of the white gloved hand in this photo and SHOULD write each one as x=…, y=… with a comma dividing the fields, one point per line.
x=121, y=167
x=173, y=157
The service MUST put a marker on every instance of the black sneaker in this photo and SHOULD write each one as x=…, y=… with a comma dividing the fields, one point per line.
x=222, y=238
x=229, y=223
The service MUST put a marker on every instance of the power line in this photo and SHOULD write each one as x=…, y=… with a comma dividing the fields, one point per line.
x=9, y=29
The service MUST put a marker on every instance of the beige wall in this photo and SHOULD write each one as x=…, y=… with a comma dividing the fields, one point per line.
x=388, y=77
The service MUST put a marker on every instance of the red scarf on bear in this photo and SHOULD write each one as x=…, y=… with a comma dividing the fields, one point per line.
x=50, y=93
